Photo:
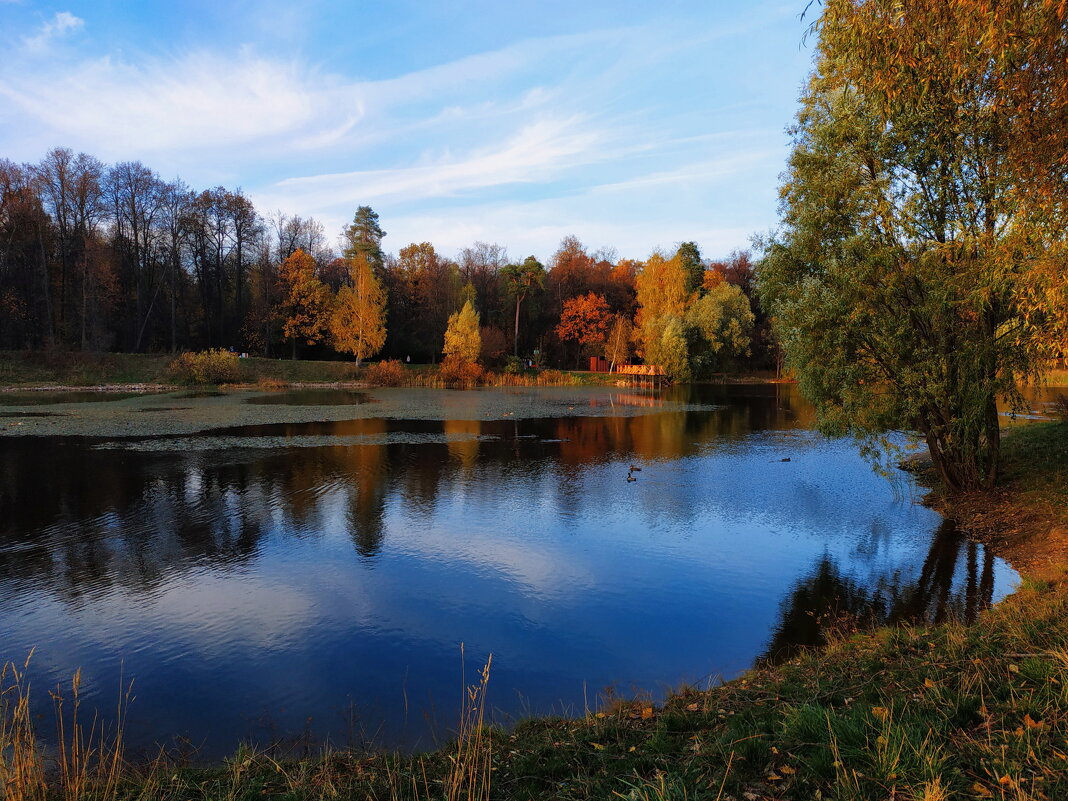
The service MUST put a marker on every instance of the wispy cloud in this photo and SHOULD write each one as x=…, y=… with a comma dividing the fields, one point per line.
x=62, y=24
x=535, y=153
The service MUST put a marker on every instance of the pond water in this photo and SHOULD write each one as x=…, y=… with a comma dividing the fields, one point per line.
x=311, y=397
x=317, y=579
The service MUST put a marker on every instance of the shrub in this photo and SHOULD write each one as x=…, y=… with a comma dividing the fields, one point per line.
x=215, y=366
x=458, y=371
x=388, y=373
x=1060, y=406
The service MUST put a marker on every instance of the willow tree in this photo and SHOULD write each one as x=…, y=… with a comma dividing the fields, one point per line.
x=721, y=325
x=358, y=324
x=905, y=270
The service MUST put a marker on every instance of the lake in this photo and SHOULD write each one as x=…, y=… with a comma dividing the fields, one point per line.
x=305, y=568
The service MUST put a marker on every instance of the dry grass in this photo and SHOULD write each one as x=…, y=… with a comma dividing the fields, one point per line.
x=88, y=760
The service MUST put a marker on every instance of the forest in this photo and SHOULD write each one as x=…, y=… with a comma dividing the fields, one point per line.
x=97, y=257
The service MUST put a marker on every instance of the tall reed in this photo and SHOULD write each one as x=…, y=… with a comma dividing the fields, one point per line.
x=21, y=770
x=89, y=758
x=470, y=770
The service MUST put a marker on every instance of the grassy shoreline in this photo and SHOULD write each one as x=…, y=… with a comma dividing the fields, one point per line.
x=932, y=713
x=25, y=371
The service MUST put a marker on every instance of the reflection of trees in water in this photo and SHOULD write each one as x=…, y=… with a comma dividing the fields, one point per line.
x=79, y=519
x=826, y=601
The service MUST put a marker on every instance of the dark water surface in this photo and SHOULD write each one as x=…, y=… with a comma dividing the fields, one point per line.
x=259, y=590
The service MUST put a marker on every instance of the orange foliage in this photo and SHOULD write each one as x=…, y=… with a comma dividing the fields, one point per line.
x=586, y=319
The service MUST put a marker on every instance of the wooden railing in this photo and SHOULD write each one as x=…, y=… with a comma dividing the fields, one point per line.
x=641, y=369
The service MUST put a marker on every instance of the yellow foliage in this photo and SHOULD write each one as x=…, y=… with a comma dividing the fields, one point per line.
x=463, y=341
x=358, y=324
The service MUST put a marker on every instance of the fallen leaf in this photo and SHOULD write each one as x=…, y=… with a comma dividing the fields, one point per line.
x=787, y=770
x=597, y=746
x=880, y=712
x=1031, y=723
x=647, y=712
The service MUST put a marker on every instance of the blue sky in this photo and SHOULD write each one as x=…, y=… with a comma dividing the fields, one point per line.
x=631, y=125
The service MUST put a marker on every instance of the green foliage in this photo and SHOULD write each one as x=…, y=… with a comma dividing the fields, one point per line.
x=521, y=280
x=722, y=322
x=897, y=275
x=666, y=346
x=463, y=342
x=364, y=236
x=215, y=366
x=689, y=257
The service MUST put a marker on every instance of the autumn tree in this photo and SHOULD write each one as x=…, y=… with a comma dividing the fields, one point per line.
x=662, y=296
x=906, y=270
x=428, y=290
x=305, y=307
x=617, y=345
x=1002, y=69
x=586, y=320
x=522, y=280
x=358, y=322
x=463, y=342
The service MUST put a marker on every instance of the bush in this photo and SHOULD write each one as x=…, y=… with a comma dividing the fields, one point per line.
x=460, y=371
x=215, y=366
x=1060, y=406
x=515, y=365
x=388, y=373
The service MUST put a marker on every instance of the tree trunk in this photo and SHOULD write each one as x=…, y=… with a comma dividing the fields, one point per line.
x=518, y=300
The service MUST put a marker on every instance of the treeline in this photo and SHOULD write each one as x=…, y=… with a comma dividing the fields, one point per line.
x=97, y=257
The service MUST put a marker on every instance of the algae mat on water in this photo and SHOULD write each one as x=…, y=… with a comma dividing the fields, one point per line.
x=156, y=415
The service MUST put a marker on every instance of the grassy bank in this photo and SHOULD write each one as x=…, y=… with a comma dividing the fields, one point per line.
x=31, y=369
x=933, y=713
x=47, y=370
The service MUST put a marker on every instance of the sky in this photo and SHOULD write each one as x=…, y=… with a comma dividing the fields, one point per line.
x=631, y=125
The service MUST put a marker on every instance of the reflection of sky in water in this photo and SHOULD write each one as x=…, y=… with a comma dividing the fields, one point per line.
x=249, y=589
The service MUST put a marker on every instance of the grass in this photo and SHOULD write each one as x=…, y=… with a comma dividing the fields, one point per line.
x=39, y=369
x=933, y=713
x=33, y=369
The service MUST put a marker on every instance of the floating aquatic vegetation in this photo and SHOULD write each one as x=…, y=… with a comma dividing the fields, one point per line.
x=223, y=442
